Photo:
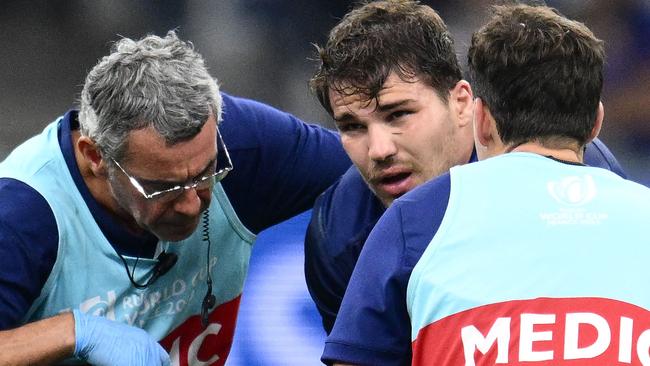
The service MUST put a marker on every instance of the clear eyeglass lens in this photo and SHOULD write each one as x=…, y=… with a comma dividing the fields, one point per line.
x=204, y=183
x=168, y=195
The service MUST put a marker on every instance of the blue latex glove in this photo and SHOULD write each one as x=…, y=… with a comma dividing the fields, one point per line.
x=103, y=342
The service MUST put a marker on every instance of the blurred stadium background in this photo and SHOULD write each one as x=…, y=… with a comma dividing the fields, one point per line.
x=262, y=49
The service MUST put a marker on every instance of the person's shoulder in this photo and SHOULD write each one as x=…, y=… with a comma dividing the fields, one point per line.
x=597, y=154
x=250, y=124
x=240, y=111
x=240, y=122
x=420, y=197
x=17, y=195
x=26, y=216
x=238, y=105
x=421, y=211
x=640, y=192
x=20, y=202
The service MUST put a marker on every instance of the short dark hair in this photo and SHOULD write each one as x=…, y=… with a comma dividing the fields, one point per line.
x=539, y=73
x=379, y=37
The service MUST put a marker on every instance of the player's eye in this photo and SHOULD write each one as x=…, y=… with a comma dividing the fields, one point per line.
x=350, y=127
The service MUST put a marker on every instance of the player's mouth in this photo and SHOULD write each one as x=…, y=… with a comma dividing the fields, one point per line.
x=396, y=184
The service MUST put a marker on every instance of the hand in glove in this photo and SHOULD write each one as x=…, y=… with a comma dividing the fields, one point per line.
x=103, y=342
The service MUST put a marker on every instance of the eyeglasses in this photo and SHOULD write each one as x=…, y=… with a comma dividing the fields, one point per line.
x=170, y=193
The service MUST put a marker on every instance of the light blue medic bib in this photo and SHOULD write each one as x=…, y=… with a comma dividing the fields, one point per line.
x=89, y=275
x=534, y=260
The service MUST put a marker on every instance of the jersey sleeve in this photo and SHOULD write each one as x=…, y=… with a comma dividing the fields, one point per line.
x=28, y=247
x=598, y=155
x=373, y=325
x=281, y=164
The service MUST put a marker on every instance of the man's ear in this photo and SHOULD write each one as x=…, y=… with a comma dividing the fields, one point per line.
x=600, y=116
x=482, y=123
x=461, y=101
x=92, y=157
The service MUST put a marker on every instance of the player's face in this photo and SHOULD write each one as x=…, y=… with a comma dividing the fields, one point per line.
x=154, y=164
x=407, y=137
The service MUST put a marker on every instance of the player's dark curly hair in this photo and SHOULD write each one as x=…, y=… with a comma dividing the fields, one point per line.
x=377, y=38
x=539, y=73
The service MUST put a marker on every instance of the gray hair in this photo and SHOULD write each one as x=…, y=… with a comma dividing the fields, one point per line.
x=158, y=82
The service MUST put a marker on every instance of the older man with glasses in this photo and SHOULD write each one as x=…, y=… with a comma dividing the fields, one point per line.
x=121, y=243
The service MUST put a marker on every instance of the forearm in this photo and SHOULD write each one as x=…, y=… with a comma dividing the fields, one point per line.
x=40, y=343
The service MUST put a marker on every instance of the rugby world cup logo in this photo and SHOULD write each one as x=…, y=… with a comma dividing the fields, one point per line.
x=573, y=190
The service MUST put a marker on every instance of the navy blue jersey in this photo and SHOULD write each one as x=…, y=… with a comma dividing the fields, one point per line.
x=342, y=218
x=274, y=178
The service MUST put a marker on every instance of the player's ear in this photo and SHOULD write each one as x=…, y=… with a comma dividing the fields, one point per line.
x=600, y=116
x=461, y=103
